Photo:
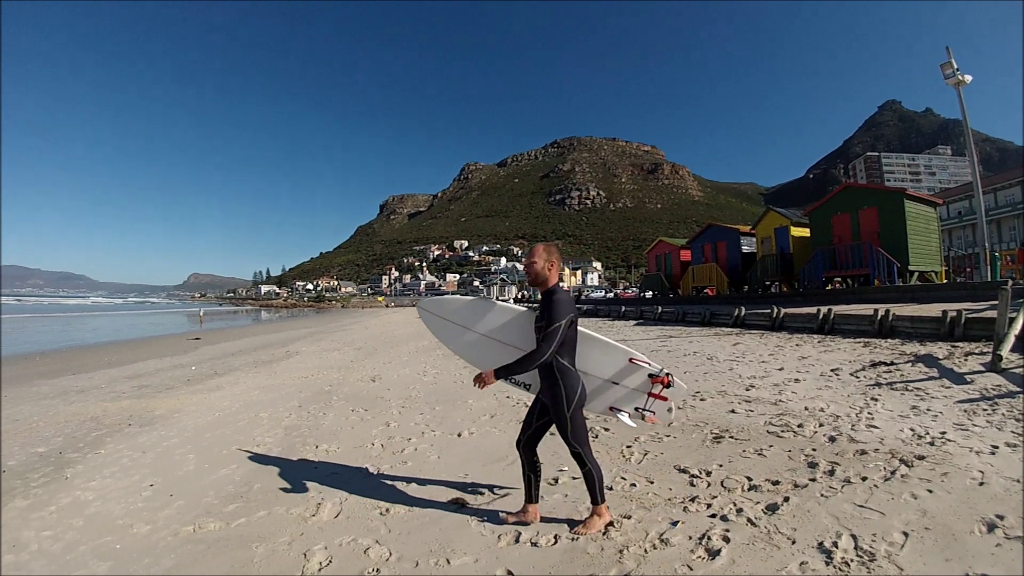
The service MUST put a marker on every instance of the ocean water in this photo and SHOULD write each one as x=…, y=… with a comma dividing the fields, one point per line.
x=39, y=323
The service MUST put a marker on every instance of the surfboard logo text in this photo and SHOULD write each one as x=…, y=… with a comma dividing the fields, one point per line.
x=519, y=383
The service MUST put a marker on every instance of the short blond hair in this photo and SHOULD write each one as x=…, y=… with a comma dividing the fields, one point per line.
x=551, y=251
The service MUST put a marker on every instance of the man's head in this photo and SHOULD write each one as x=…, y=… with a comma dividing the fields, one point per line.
x=543, y=264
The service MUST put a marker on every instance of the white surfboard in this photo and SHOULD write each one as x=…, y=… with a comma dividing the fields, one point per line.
x=487, y=333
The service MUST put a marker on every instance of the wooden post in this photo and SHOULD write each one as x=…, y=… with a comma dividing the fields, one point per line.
x=876, y=318
x=735, y=317
x=1002, y=316
x=887, y=323
x=819, y=321
x=779, y=313
x=830, y=315
x=946, y=330
x=958, y=325
x=1006, y=342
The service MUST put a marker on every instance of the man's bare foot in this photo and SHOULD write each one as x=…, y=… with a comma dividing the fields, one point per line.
x=599, y=518
x=528, y=514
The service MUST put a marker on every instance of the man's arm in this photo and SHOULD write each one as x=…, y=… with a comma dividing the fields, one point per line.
x=560, y=316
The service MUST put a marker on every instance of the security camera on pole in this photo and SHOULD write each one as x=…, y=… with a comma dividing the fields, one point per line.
x=953, y=77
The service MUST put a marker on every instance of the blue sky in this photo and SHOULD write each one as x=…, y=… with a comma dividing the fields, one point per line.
x=142, y=141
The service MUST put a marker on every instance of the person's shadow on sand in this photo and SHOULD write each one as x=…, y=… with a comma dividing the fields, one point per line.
x=363, y=483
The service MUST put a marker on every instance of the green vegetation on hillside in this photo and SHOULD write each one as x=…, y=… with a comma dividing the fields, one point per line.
x=644, y=196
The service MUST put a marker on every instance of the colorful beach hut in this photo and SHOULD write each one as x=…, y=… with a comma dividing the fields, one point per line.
x=783, y=247
x=721, y=258
x=867, y=234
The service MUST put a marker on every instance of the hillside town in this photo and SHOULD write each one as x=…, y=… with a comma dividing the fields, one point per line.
x=896, y=219
x=489, y=270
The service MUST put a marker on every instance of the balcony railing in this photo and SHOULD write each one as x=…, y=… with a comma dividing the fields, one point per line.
x=971, y=215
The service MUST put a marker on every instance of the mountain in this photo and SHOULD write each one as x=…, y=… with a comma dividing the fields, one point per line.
x=600, y=197
x=894, y=128
x=197, y=282
x=14, y=277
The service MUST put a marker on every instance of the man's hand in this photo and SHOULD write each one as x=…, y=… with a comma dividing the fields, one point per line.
x=484, y=379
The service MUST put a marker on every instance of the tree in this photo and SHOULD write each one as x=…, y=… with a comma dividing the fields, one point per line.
x=259, y=276
x=283, y=269
x=267, y=275
x=255, y=277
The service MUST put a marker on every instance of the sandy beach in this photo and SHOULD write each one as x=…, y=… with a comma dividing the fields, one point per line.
x=332, y=444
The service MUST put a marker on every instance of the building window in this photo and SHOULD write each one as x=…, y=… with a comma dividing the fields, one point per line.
x=1011, y=233
x=960, y=241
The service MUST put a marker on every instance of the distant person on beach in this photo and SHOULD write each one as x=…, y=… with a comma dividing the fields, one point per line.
x=560, y=399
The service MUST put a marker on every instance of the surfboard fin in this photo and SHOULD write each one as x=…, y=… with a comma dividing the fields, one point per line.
x=622, y=415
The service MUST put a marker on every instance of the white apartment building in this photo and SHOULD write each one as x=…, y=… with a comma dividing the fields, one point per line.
x=927, y=173
x=1004, y=211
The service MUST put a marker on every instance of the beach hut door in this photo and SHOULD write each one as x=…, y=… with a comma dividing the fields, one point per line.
x=782, y=240
x=842, y=230
x=868, y=218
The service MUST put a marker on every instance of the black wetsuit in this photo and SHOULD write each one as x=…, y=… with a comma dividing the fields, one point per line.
x=561, y=396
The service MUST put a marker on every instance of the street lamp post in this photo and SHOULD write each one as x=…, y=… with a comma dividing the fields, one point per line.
x=953, y=77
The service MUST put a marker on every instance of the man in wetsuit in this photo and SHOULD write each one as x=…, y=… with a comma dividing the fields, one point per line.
x=560, y=399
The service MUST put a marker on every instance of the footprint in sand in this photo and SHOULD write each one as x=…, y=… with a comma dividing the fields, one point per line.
x=324, y=510
x=317, y=558
x=375, y=551
x=711, y=544
x=504, y=572
x=806, y=567
x=998, y=525
x=480, y=527
x=896, y=542
x=544, y=540
x=775, y=506
x=510, y=538
x=633, y=455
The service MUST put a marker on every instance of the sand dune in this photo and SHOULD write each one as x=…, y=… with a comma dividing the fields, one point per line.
x=355, y=444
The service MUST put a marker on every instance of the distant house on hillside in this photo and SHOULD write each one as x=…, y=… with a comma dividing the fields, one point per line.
x=267, y=290
x=500, y=288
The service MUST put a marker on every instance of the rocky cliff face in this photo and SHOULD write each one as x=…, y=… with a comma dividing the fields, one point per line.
x=403, y=207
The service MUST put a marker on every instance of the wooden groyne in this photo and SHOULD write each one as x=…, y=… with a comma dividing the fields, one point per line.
x=948, y=325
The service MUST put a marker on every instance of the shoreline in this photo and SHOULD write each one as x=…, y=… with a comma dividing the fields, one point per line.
x=116, y=353
x=349, y=303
